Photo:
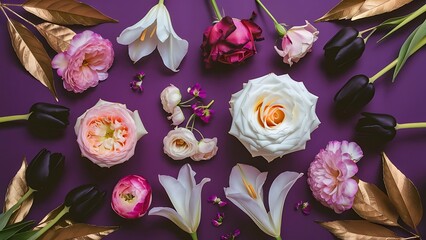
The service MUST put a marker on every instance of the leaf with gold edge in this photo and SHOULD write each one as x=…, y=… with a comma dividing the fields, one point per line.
x=359, y=230
x=78, y=231
x=66, y=12
x=32, y=54
x=17, y=188
x=357, y=9
x=58, y=37
x=402, y=193
x=372, y=204
x=50, y=216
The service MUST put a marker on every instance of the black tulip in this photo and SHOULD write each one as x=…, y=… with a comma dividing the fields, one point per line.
x=44, y=170
x=343, y=48
x=376, y=127
x=49, y=116
x=83, y=200
x=354, y=95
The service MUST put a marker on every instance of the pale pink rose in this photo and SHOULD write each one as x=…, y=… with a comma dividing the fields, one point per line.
x=330, y=179
x=170, y=98
x=86, y=61
x=180, y=143
x=351, y=148
x=207, y=148
x=131, y=197
x=297, y=43
x=177, y=116
x=108, y=132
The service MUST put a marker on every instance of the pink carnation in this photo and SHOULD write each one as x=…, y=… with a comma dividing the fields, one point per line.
x=85, y=63
x=330, y=179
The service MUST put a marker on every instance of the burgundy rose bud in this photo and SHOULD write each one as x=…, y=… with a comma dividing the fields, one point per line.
x=48, y=116
x=354, y=95
x=44, y=170
x=230, y=41
x=83, y=200
x=344, y=48
x=376, y=127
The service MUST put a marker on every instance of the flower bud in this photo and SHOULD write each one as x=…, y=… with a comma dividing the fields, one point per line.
x=354, y=95
x=44, y=169
x=170, y=98
x=83, y=200
x=376, y=127
x=51, y=116
x=343, y=48
x=131, y=197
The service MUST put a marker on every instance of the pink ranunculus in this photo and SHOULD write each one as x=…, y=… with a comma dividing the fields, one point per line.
x=230, y=41
x=180, y=143
x=297, y=43
x=86, y=61
x=108, y=132
x=330, y=179
x=170, y=97
x=207, y=148
x=131, y=197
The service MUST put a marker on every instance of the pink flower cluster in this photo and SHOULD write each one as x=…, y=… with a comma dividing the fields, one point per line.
x=330, y=175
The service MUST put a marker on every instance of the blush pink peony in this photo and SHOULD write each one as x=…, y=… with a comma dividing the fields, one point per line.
x=108, y=132
x=131, y=197
x=330, y=177
x=85, y=63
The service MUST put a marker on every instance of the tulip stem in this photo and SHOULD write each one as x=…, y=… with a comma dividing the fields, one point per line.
x=15, y=118
x=7, y=214
x=279, y=27
x=194, y=236
x=279, y=238
x=410, y=125
x=50, y=224
x=216, y=10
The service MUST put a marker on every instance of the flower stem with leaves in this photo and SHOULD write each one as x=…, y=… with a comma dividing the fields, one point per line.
x=278, y=26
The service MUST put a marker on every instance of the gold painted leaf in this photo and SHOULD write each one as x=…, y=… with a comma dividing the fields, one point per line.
x=58, y=37
x=32, y=54
x=357, y=9
x=17, y=188
x=78, y=231
x=359, y=230
x=402, y=193
x=51, y=215
x=372, y=204
x=67, y=12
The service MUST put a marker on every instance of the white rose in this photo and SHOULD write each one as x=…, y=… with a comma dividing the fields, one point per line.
x=180, y=143
x=207, y=148
x=170, y=98
x=273, y=116
x=177, y=116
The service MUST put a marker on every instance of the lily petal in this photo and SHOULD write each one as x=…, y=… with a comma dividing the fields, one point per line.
x=195, y=204
x=172, y=215
x=172, y=51
x=176, y=192
x=163, y=23
x=139, y=49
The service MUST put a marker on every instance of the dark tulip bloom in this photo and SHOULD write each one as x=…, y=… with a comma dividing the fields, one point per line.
x=376, y=127
x=343, y=48
x=354, y=95
x=49, y=116
x=83, y=200
x=44, y=170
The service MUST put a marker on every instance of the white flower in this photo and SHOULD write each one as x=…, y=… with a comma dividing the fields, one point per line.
x=180, y=143
x=170, y=98
x=245, y=191
x=207, y=148
x=155, y=30
x=185, y=196
x=273, y=116
x=177, y=116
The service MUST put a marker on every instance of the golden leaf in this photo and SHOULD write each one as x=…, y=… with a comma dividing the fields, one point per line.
x=373, y=205
x=357, y=9
x=402, y=193
x=359, y=230
x=32, y=54
x=58, y=37
x=51, y=215
x=66, y=12
x=17, y=188
x=78, y=231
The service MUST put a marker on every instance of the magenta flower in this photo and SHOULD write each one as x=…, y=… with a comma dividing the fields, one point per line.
x=218, y=220
x=216, y=200
x=136, y=86
x=203, y=112
x=304, y=206
x=197, y=91
x=140, y=76
x=231, y=236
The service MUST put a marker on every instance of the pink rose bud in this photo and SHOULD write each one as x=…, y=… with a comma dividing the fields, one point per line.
x=131, y=197
x=177, y=116
x=207, y=148
x=170, y=98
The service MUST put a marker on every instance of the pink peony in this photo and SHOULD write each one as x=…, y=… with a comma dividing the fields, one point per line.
x=330, y=179
x=85, y=63
x=297, y=43
x=351, y=148
x=131, y=197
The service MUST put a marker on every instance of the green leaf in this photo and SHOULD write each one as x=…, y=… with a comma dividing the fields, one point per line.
x=4, y=217
x=24, y=235
x=414, y=42
x=13, y=229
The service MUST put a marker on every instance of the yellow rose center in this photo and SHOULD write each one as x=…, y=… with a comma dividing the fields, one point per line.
x=107, y=133
x=269, y=115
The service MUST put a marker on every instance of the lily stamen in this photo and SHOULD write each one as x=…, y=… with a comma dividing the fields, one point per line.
x=153, y=31
x=142, y=38
x=249, y=187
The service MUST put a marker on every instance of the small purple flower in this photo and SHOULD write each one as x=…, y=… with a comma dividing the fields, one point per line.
x=231, y=236
x=203, y=112
x=216, y=200
x=136, y=86
x=196, y=91
x=140, y=76
x=304, y=206
x=218, y=220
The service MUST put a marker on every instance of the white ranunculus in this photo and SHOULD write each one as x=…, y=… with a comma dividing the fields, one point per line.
x=273, y=116
x=207, y=148
x=170, y=97
x=180, y=143
x=177, y=116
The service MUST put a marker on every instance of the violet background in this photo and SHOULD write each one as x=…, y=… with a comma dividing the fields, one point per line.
x=404, y=99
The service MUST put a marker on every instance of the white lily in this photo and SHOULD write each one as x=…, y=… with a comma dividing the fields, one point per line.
x=155, y=30
x=185, y=196
x=245, y=191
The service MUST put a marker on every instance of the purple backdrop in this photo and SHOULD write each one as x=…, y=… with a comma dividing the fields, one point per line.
x=403, y=99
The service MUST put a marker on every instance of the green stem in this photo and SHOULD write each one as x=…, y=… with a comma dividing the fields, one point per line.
x=410, y=125
x=23, y=198
x=50, y=224
x=194, y=236
x=14, y=118
x=279, y=27
x=208, y=106
x=216, y=10
x=367, y=30
x=189, y=120
x=279, y=238
x=7, y=214
x=187, y=101
x=198, y=131
x=161, y=2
